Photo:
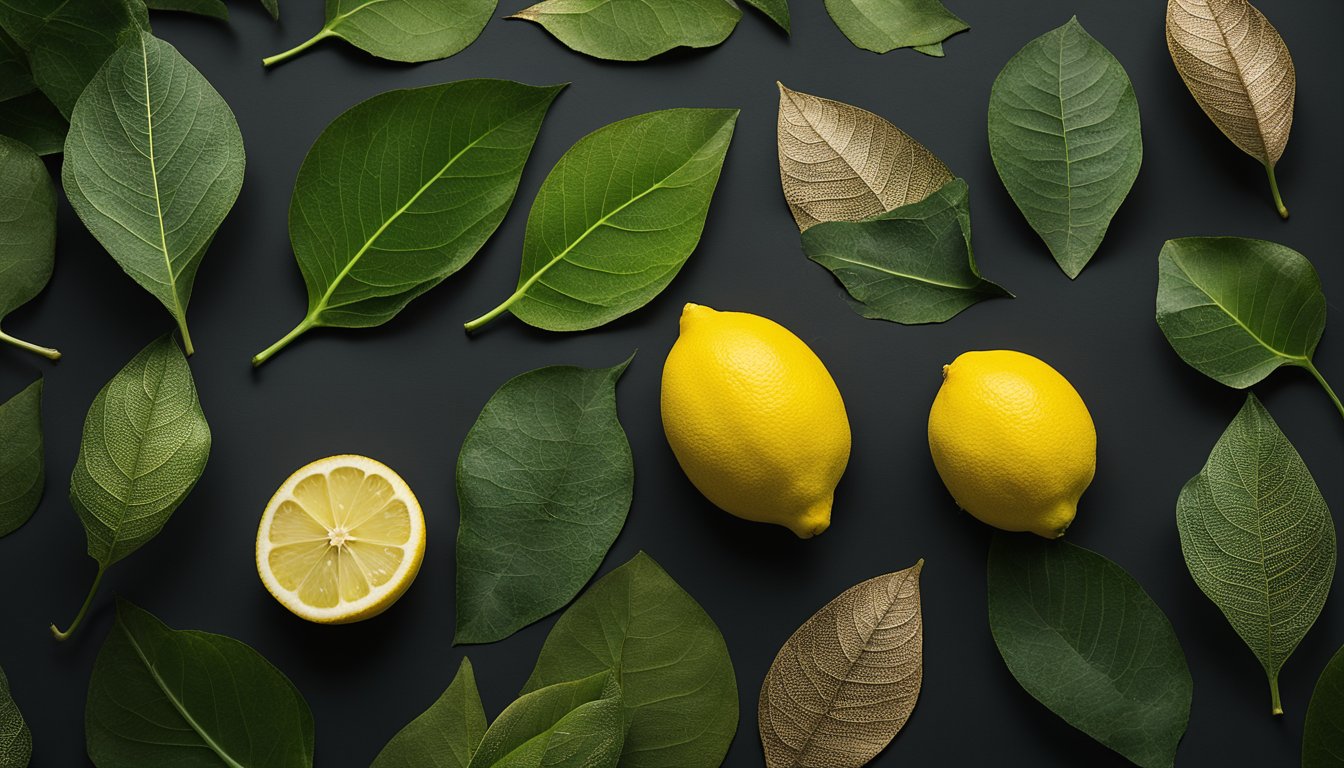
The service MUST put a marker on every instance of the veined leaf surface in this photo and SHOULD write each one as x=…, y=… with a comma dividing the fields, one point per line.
x=635, y=30
x=443, y=736
x=16, y=741
x=22, y=462
x=15, y=77
x=27, y=233
x=398, y=30
x=885, y=25
x=576, y=724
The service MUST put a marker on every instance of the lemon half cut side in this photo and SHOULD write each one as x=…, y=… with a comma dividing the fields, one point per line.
x=341, y=540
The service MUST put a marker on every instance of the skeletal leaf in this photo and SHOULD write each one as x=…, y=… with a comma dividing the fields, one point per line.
x=16, y=741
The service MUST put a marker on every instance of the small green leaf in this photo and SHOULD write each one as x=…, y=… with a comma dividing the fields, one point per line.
x=634, y=30
x=165, y=698
x=910, y=265
x=1323, y=731
x=443, y=736
x=1065, y=138
x=885, y=25
x=544, y=482
x=22, y=464
x=574, y=724
x=668, y=655
x=272, y=7
x=15, y=77
x=777, y=10
x=16, y=741
x=35, y=121
x=1258, y=538
x=1084, y=639
x=617, y=218
x=28, y=224
x=398, y=30
x=214, y=9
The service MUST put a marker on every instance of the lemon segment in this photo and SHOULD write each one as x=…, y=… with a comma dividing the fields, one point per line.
x=341, y=540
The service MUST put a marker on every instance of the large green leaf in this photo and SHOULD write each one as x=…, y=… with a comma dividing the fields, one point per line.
x=544, y=482
x=35, y=121
x=1064, y=135
x=634, y=30
x=402, y=190
x=1323, y=731
x=215, y=9
x=1258, y=538
x=777, y=10
x=153, y=163
x=576, y=724
x=669, y=657
x=443, y=736
x=16, y=741
x=617, y=218
x=398, y=30
x=27, y=233
x=22, y=464
x=15, y=77
x=164, y=698
x=1084, y=639
x=885, y=25
x=910, y=265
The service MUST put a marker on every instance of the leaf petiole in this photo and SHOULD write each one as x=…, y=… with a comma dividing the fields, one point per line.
x=83, y=609
x=1276, y=706
x=1274, y=188
x=1311, y=368
x=497, y=311
x=284, y=341
x=296, y=50
x=47, y=352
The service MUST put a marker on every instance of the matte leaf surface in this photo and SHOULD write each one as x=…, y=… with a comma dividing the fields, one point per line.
x=15, y=77
x=187, y=699
x=1323, y=731
x=670, y=660
x=214, y=9
x=153, y=163
x=885, y=25
x=544, y=483
x=1064, y=135
x=16, y=741
x=27, y=233
x=1084, y=639
x=911, y=265
x=443, y=736
x=635, y=30
x=398, y=30
x=576, y=724
x=1258, y=538
x=845, y=683
x=22, y=463
x=617, y=218
x=33, y=120
x=777, y=10
x=841, y=163
x=272, y=7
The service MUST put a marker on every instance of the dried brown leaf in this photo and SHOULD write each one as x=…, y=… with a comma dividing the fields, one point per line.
x=845, y=683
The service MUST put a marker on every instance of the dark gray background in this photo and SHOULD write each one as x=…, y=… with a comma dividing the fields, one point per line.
x=406, y=393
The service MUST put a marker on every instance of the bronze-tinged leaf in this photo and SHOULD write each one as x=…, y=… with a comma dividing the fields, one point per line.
x=845, y=683
x=841, y=163
x=1240, y=72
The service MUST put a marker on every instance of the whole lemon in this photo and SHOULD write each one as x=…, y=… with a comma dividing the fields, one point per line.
x=755, y=419
x=1013, y=441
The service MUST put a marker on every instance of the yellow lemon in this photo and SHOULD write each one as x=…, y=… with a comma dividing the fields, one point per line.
x=341, y=540
x=755, y=419
x=1013, y=441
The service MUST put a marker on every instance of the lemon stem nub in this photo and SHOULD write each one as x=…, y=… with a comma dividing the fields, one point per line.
x=83, y=609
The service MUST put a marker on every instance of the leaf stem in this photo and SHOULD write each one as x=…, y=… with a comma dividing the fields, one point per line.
x=496, y=312
x=296, y=50
x=1274, y=188
x=186, y=337
x=83, y=609
x=1276, y=706
x=46, y=352
x=1311, y=367
x=284, y=341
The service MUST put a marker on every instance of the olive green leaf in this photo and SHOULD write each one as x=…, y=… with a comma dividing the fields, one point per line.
x=575, y=724
x=443, y=736
x=1084, y=639
x=22, y=463
x=841, y=163
x=1240, y=72
x=16, y=741
x=777, y=10
x=1323, y=731
x=446, y=160
x=165, y=698
x=215, y=9
x=668, y=655
x=634, y=30
x=27, y=233
x=544, y=482
x=1064, y=135
x=617, y=218
x=910, y=265
x=1258, y=538
x=272, y=7
x=844, y=684
x=885, y=25
x=144, y=447
x=15, y=77
x=397, y=30
x=33, y=120
x=1236, y=309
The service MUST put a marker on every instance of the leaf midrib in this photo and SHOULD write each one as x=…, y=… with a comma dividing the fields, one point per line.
x=154, y=177
x=894, y=273
x=1241, y=77
x=1297, y=359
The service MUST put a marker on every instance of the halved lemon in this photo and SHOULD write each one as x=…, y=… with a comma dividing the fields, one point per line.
x=341, y=540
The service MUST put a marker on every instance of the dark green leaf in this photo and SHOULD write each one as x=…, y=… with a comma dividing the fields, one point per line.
x=446, y=734
x=153, y=163
x=16, y=742
x=910, y=265
x=1323, y=731
x=215, y=9
x=35, y=121
x=1258, y=538
x=398, y=30
x=1083, y=638
x=1064, y=135
x=27, y=232
x=668, y=655
x=574, y=724
x=634, y=30
x=272, y=7
x=544, y=482
x=15, y=78
x=22, y=464
x=777, y=10
x=885, y=25
x=617, y=217
x=164, y=698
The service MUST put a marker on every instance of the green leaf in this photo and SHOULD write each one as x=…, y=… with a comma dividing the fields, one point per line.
x=885, y=25
x=402, y=190
x=544, y=482
x=35, y=121
x=144, y=447
x=617, y=218
x=1258, y=538
x=153, y=163
x=272, y=7
x=668, y=656
x=16, y=742
x=28, y=224
x=574, y=724
x=910, y=265
x=162, y=698
x=22, y=464
x=1084, y=639
x=15, y=77
x=1064, y=135
x=634, y=30
x=1323, y=731
x=398, y=30
x=777, y=10
x=446, y=734
x=215, y=9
